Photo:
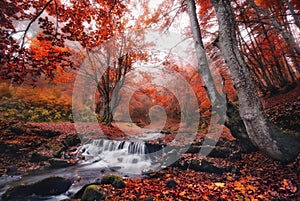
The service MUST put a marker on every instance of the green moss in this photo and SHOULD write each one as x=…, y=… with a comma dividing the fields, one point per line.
x=72, y=140
x=91, y=193
x=46, y=187
x=119, y=184
x=115, y=180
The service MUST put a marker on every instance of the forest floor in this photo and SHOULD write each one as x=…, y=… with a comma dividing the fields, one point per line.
x=252, y=176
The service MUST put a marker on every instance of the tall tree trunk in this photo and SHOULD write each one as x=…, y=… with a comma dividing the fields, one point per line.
x=203, y=68
x=262, y=134
x=107, y=116
x=233, y=120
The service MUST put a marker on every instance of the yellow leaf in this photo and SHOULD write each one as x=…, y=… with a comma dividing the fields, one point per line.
x=219, y=184
x=182, y=193
x=261, y=196
x=285, y=182
x=252, y=188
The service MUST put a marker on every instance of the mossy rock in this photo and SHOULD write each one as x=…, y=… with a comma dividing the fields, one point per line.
x=115, y=180
x=59, y=163
x=92, y=193
x=172, y=183
x=57, y=150
x=72, y=140
x=79, y=193
x=119, y=184
x=45, y=187
x=37, y=157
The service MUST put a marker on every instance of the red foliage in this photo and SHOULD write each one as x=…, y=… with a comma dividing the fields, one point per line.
x=259, y=179
x=59, y=22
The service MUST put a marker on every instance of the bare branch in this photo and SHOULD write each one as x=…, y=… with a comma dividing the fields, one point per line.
x=32, y=21
x=170, y=51
x=56, y=28
x=286, y=36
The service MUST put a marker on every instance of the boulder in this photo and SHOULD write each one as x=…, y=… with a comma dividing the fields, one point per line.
x=79, y=193
x=172, y=183
x=46, y=187
x=115, y=180
x=72, y=140
x=60, y=163
x=202, y=166
x=36, y=157
x=92, y=193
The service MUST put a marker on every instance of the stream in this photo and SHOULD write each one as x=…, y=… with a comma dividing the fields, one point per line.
x=126, y=158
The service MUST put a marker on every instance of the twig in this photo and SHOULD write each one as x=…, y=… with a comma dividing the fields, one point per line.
x=31, y=22
x=56, y=29
x=170, y=51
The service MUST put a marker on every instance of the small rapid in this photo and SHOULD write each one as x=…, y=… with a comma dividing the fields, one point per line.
x=128, y=157
x=101, y=156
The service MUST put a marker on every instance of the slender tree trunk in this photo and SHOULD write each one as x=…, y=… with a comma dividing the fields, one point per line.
x=262, y=134
x=233, y=120
x=294, y=14
x=280, y=76
x=287, y=37
x=203, y=68
x=254, y=59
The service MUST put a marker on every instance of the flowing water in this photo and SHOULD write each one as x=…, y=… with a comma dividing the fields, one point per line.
x=123, y=156
x=102, y=156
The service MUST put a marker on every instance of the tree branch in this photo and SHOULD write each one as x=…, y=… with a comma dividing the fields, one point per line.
x=32, y=21
x=56, y=29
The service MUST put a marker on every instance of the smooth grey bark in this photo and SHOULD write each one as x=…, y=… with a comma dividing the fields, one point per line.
x=203, y=68
x=231, y=116
x=262, y=133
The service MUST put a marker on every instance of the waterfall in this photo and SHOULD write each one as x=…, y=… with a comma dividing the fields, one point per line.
x=125, y=156
x=96, y=147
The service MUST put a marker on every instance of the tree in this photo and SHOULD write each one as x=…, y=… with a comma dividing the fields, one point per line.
x=203, y=68
x=107, y=66
x=44, y=59
x=258, y=130
x=262, y=134
x=220, y=104
x=287, y=36
x=272, y=61
x=88, y=22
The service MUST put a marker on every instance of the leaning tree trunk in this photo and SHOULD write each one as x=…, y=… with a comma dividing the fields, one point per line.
x=203, y=68
x=262, y=134
x=233, y=120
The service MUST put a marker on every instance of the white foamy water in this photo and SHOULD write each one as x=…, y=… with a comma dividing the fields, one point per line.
x=122, y=156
